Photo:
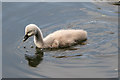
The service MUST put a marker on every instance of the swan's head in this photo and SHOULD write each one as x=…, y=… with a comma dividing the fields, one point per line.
x=30, y=30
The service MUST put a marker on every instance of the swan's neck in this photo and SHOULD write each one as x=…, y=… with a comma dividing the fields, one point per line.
x=38, y=39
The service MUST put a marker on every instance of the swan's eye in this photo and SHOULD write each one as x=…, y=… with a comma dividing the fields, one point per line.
x=30, y=33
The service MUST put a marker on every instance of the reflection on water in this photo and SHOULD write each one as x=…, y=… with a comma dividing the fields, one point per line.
x=36, y=59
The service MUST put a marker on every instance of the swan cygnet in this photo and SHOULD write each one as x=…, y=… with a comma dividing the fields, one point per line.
x=57, y=39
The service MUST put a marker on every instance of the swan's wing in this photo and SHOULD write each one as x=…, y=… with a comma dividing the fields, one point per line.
x=65, y=37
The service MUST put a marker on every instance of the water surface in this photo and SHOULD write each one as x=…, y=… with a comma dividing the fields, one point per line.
x=96, y=59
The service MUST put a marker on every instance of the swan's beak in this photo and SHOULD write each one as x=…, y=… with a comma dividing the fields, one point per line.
x=25, y=38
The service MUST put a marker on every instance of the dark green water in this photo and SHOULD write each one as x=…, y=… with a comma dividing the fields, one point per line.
x=96, y=59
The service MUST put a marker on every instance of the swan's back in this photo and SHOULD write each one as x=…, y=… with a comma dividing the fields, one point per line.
x=64, y=38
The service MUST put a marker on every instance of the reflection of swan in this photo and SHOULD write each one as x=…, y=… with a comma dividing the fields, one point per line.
x=34, y=60
x=60, y=38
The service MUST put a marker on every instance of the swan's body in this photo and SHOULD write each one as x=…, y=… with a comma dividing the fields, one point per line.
x=60, y=38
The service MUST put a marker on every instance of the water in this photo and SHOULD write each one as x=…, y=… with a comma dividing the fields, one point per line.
x=96, y=59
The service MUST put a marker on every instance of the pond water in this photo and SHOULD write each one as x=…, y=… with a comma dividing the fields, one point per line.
x=96, y=59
